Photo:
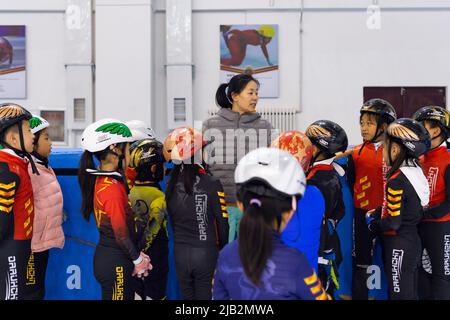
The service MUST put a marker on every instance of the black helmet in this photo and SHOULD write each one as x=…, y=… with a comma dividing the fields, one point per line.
x=328, y=136
x=380, y=107
x=11, y=114
x=434, y=113
x=410, y=134
x=145, y=153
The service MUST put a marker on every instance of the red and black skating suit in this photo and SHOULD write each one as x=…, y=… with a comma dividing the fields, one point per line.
x=435, y=227
x=324, y=176
x=16, y=226
x=116, y=250
x=366, y=172
x=398, y=227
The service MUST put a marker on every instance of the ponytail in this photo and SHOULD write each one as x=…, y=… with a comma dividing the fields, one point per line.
x=184, y=172
x=256, y=228
x=87, y=184
x=222, y=99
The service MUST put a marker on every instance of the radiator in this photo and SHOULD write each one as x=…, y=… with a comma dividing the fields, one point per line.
x=281, y=118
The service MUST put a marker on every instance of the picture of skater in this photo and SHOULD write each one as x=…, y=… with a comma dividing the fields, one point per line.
x=251, y=48
x=237, y=40
x=12, y=62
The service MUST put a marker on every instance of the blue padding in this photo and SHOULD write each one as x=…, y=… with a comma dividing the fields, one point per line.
x=70, y=274
x=345, y=232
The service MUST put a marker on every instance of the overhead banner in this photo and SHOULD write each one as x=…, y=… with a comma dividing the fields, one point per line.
x=12, y=62
x=252, y=49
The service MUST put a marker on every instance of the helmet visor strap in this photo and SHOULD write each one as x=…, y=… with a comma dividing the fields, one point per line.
x=120, y=168
x=24, y=151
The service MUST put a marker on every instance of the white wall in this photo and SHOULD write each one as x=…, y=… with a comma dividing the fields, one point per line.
x=45, y=70
x=123, y=59
x=340, y=54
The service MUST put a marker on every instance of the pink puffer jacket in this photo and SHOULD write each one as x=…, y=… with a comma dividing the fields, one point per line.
x=48, y=206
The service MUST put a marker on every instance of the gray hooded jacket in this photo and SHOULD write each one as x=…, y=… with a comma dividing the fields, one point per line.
x=233, y=135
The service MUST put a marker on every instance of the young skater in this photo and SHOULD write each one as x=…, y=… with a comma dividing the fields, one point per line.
x=258, y=266
x=435, y=227
x=104, y=192
x=16, y=201
x=328, y=139
x=48, y=207
x=149, y=206
x=406, y=194
x=366, y=176
x=303, y=229
x=197, y=211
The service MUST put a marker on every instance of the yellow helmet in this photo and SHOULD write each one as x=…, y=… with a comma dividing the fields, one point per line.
x=267, y=31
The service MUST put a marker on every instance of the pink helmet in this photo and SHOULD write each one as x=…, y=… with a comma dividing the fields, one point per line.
x=297, y=144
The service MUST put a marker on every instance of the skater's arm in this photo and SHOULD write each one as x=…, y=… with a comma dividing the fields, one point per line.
x=394, y=205
x=220, y=213
x=442, y=209
x=266, y=53
x=115, y=208
x=308, y=285
x=9, y=183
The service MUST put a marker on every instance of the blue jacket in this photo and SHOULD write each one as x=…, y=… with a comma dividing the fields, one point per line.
x=303, y=230
x=287, y=276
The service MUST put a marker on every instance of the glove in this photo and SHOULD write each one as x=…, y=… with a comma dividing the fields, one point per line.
x=369, y=219
x=142, y=268
x=371, y=216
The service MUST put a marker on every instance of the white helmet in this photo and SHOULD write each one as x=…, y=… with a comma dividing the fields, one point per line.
x=38, y=123
x=140, y=130
x=277, y=168
x=101, y=134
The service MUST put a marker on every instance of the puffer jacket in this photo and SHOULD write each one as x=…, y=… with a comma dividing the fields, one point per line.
x=234, y=136
x=48, y=207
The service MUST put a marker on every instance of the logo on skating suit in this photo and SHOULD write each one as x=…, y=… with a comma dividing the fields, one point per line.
x=447, y=255
x=12, y=288
x=432, y=177
x=118, y=285
x=397, y=260
x=201, y=203
x=31, y=271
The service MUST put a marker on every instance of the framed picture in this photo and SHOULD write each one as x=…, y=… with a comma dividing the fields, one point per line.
x=12, y=62
x=251, y=49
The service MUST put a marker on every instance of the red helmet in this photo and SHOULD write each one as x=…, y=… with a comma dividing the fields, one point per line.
x=297, y=144
x=182, y=143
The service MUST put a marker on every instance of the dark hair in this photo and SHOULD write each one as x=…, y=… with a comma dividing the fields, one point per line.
x=185, y=172
x=235, y=85
x=87, y=181
x=403, y=156
x=36, y=138
x=255, y=230
x=379, y=119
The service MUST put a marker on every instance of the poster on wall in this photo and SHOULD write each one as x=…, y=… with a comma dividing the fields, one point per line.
x=251, y=48
x=12, y=62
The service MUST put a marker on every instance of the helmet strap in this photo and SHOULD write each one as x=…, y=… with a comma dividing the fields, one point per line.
x=120, y=168
x=378, y=133
x=22, y=152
